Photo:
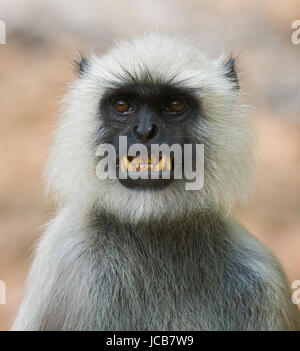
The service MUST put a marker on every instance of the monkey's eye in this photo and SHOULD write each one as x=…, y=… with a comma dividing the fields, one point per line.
x=175, y=105
x=122, y=106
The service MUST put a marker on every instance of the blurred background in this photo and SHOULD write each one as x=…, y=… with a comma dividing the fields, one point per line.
x=35, y=66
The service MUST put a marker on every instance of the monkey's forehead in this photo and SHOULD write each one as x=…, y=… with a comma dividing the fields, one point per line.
x=156, y=59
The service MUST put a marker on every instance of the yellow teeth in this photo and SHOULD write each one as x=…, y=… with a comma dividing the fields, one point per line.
x=151, y=164
x=167, y=164
x=124, y=164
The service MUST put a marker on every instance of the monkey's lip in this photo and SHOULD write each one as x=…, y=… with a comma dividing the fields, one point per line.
x=152, y=163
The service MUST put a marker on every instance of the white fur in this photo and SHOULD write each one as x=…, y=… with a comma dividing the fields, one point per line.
x=72, y=165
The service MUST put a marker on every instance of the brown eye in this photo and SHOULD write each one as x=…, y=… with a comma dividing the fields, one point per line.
x=175, y=105
x=122, y=106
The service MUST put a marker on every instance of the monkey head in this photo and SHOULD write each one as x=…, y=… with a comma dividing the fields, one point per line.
x=153, y=90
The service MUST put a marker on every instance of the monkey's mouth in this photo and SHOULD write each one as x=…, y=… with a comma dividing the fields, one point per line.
x=152, y=163
x=152, y=173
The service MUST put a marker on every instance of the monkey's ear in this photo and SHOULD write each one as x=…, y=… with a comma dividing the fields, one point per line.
x=81, y=64
x=230, y=72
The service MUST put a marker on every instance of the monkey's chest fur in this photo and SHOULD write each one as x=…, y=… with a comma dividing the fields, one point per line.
x=161, y=276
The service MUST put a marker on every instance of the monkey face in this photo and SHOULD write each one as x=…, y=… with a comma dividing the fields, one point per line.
x=148, y=114
x=152, y=90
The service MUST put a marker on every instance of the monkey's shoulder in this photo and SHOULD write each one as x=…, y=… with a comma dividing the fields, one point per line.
x=248, y=252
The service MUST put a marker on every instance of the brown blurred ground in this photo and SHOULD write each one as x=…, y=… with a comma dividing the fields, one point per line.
x=34, y=71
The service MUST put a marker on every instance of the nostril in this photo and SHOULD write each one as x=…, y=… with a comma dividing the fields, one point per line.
x=146, y=133
x=153, y=131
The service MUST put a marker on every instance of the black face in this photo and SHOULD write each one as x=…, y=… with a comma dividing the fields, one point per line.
x=148, y=114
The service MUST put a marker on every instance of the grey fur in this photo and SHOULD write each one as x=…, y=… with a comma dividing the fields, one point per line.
x=195, y=273
x=185, y=264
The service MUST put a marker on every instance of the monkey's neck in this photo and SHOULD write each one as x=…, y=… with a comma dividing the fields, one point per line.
x=165, y=247
x=164, y=229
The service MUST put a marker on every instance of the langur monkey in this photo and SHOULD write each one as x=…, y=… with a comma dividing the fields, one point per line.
x=148, y=254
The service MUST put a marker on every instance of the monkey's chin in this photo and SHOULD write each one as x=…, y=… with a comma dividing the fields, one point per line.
x=146, y=184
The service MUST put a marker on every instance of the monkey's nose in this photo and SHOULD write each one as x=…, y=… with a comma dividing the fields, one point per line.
x=145, y=133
